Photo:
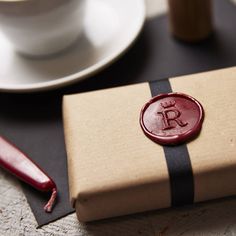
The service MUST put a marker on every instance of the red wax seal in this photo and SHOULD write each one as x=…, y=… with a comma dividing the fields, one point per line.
x=171, y=118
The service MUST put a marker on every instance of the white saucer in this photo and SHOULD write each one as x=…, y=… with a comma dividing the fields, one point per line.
x=110, y=27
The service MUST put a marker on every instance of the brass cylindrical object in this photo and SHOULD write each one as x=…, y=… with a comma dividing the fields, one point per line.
x=190, y=20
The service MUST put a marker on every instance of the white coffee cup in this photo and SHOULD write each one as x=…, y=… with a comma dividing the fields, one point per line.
x=41, y=27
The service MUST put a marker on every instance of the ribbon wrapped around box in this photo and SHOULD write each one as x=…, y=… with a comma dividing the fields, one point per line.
x=114, y=169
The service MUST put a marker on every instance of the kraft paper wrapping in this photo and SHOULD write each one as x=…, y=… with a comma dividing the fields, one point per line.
x=114, y=169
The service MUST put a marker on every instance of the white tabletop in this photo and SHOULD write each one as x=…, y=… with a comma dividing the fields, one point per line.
x=212, y=218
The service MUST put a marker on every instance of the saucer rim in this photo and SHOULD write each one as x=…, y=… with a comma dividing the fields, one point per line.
x=84, y=73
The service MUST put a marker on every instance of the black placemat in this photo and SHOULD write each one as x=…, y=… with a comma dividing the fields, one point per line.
x=33, y=122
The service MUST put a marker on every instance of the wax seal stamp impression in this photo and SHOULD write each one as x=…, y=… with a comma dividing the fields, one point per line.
x=172, y=118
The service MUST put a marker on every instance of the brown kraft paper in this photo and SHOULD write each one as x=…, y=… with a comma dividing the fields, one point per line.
x=114, y=169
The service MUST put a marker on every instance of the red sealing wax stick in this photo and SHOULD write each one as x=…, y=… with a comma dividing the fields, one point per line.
x=19, y=164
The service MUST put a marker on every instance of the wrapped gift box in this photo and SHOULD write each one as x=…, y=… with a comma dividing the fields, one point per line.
x=114, y=169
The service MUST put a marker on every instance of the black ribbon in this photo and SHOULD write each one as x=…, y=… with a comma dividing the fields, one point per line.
x=177, y=158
